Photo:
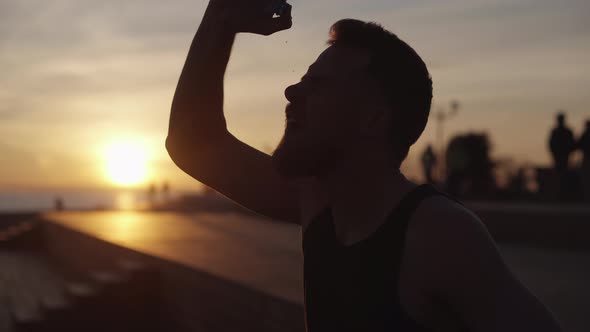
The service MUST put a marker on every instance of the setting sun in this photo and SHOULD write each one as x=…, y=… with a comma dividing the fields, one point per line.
x=126, y=163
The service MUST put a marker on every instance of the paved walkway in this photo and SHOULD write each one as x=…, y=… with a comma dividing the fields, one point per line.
x=267, y=256
x=257, y=253
x=561, y=279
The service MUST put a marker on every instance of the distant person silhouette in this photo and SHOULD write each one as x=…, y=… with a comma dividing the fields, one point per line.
x=561, y=144
x=59, y=204
x=428, y=163
x=380, y=252
x=517, y=185
x=166, y=191
x=152, y=193
x=584, y=145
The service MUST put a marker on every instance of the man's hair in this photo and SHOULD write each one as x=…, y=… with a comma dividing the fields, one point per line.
x=399, y=70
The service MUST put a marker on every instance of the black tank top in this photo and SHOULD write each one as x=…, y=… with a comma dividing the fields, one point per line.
x=355, y=288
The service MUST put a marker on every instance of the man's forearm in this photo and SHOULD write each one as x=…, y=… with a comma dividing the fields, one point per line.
x=197, y=108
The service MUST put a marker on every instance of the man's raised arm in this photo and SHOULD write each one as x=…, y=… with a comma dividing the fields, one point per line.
x=198, y=140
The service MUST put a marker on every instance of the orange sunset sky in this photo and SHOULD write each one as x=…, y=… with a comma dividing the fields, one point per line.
x=85, y=82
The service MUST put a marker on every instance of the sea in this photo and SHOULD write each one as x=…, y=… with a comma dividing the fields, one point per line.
x=43, y=201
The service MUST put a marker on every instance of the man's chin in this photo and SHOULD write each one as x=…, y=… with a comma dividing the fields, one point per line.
x=290, y=168
x=291, y=162
x=297, y=157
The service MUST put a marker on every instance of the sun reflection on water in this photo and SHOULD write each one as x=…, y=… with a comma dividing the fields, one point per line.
x=126, y=201
x=125, y=226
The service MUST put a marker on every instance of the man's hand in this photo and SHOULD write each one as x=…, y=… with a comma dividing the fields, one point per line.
x=252, y=16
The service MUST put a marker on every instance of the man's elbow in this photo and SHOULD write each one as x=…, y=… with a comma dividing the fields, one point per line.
x=183, y=149
x=185, y=157
x=173, y=147
x=187, y=150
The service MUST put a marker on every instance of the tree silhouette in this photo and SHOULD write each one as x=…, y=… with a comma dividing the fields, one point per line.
x=469, y=166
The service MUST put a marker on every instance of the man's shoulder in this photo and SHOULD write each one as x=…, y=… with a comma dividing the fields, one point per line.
x=441, y=209
x=444, y=240
x=440, y=221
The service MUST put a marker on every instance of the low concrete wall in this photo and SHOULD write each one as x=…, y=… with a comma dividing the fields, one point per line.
x=191, y=300
x=552, y=227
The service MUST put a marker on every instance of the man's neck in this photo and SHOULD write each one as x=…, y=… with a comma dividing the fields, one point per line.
x=362, y=192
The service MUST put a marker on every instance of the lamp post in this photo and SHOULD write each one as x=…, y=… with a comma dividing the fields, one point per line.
x=441, y=115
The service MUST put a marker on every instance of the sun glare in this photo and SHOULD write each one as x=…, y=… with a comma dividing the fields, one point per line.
x=126, y=163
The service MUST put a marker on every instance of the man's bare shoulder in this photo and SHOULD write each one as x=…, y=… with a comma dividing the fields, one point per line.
x=443, y=233
x=442, y=217
x=457, y=260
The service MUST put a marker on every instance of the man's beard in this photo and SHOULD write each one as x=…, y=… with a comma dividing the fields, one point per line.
x=300, y=157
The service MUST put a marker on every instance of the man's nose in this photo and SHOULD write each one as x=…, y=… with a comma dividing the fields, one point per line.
x=292, y=92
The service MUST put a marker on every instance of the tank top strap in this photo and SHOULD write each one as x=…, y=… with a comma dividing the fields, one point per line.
x=410, y=203
x=398, y=220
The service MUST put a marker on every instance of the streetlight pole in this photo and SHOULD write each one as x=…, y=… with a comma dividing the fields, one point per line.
x=441, y=115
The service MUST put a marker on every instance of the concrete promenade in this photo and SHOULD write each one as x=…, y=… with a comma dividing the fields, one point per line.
x=265, y=256
x=260, y=254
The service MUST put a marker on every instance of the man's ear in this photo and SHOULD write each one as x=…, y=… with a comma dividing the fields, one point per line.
x=377, y=123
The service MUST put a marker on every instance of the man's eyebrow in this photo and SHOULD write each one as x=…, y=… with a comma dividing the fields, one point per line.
x=311, y=77
x=307, y=74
